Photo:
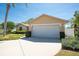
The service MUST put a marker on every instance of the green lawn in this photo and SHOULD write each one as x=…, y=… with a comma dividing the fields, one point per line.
x=67, y=53
x=11, y=37
x=1, y=30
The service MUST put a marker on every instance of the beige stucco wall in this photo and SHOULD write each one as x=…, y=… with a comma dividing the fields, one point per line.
x=48, y=20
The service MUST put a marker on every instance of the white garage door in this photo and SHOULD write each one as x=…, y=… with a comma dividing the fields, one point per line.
x=46, y=31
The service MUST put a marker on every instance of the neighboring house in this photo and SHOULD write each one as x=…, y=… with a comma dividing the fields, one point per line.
x=22, y=27
x=46, y=26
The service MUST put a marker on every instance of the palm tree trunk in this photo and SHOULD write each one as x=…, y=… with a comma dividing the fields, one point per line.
x=5, y=21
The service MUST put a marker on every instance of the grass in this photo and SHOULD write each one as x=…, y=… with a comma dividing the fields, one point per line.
x=1, y=30
x=67, y=53
x=11, y=37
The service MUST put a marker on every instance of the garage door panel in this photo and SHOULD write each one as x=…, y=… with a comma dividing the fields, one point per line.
x=45, y=31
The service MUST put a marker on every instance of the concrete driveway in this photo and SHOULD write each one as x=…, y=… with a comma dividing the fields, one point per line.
x=30, y=47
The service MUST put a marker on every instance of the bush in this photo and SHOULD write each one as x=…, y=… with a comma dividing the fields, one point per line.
x=13, y=32
x=70, y=43
x=19, y=32
x=77, y=45
x=10, y=26
x=28, y=34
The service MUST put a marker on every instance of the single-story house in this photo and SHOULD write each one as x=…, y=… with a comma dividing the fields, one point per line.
x=22, y=27
x=46, y=26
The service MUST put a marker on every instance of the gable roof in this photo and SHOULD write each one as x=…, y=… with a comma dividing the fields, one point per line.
x=45, y=15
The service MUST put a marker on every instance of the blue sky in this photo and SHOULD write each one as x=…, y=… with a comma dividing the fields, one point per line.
x=22, y=13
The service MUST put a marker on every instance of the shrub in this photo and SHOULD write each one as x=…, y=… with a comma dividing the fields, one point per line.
x=70, y=43
x=19, y=32
x=10, y=26
x=13, y=32
x=77, y=44
x=28, y=34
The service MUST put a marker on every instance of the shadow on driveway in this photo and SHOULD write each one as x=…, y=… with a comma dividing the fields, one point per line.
x=47, y=40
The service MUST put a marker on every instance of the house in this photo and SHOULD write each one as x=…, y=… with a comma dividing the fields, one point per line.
x=46, y=26
x=22, y=27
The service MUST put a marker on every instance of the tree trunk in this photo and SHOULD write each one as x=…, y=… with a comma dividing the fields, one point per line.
x=5, y=20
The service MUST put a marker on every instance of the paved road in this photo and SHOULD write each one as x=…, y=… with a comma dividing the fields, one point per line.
x=29, y=47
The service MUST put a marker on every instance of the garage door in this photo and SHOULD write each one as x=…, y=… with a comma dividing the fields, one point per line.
x=46, y=31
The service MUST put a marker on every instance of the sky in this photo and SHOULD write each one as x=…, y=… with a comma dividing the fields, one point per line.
x=22, y=12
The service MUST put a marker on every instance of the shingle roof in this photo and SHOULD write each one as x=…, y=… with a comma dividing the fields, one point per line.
x=51, y=17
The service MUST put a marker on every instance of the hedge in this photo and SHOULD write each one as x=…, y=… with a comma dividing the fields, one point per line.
x=70, y=43
x=28, y=34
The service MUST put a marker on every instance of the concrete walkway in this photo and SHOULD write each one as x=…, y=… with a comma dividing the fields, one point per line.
x=26, y=47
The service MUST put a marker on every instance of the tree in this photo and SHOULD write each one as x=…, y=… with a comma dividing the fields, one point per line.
x=76, y=18
x=8, y=5
x=6, y=16
x=76, y=24
x=10, y=26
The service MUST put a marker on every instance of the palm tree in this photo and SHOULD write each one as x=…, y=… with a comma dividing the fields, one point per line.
x=6, y=16
x=8, y=5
